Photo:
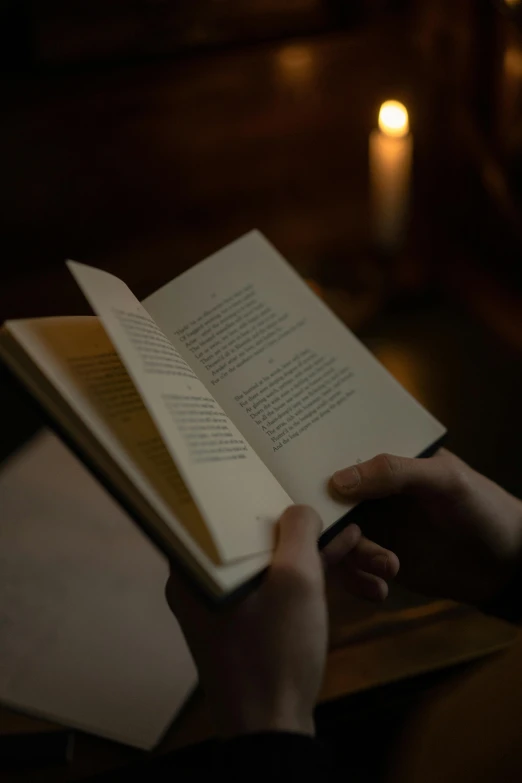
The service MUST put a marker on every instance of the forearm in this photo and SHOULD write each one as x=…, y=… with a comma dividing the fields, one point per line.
x=507, y=601
x=507, y=604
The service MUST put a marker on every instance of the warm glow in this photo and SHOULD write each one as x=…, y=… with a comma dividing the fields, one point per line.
x=404, y=366
x=512, y=3
x=296, y=64
x=393, y=119
x=513, y=62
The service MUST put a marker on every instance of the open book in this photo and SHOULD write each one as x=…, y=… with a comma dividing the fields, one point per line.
x=224, y=397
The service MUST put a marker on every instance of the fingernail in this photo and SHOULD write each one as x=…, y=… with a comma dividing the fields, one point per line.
x=380, y=565
x=346, y=480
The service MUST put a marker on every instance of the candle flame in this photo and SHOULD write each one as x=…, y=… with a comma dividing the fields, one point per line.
x=393, y=119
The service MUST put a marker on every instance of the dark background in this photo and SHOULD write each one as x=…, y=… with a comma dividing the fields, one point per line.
x=142, y=136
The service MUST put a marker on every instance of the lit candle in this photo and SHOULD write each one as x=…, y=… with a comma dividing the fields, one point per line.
x=391, y=152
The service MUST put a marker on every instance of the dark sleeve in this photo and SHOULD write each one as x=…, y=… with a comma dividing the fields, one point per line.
x=274, y=757
x=507, y=605
x=271, y=757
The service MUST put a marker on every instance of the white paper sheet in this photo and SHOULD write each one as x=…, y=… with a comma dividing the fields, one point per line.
x=86, y=637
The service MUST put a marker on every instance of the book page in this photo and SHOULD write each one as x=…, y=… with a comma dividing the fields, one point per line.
x=236, y=493
x=299, y=386
x=37, y=352
x=90, y=374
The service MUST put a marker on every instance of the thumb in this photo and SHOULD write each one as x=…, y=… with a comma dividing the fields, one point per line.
x=296, y=550
x=388, y=474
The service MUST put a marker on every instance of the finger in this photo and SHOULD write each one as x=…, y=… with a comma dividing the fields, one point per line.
x=366, y=586
x=374, y=559
x=296, y=549
x=341, y=545
x=388, y=474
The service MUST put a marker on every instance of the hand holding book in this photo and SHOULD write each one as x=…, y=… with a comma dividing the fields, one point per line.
x=457, y=534
x=261, y=661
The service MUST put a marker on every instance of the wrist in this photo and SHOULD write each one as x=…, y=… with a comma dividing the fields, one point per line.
x=506, y=600
x=512, y=567
x=499, y=558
